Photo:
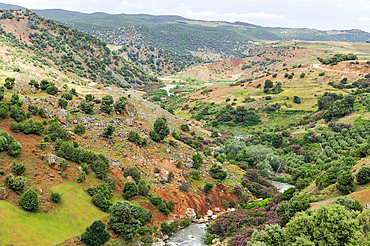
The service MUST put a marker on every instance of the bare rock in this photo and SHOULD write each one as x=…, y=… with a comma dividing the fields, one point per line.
x=3, y=193
x=191, y=213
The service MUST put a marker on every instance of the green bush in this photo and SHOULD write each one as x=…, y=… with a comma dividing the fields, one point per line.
x=18, y=169
x=208, y=187
x=185, y=127
x=287, y=194
x=345, y=182
x=232, y=203
x=130, y=189
x=106, y=104
x=133, y=172
x=95, y=234
x=63, y=103
x=52, y=89
x=9, y=83
x=197, y=160
x=56, y=197
x=108, y=131
x=17, y=184
x=217, y=172
x=297, y=99
x=17, y=113
x=4, y=110
x=66, y=95
x=30, y=200
x=160, y=131
x=80, y=129
x=348, y=203
x=363, y=176
x=120, y=105
x=135, y=138
x=143, y=188
x=87, y=107
x=14, y=149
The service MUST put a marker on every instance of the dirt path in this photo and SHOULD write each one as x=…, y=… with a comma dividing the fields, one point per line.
x=317, y=66
x=362, y=196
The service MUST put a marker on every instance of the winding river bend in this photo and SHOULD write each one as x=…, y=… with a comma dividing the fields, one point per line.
x=192, y=234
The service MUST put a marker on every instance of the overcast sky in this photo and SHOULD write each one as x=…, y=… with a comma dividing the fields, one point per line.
x=319, y=14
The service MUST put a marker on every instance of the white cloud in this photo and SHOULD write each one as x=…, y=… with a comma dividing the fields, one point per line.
x=364, y=19
x=304, y=5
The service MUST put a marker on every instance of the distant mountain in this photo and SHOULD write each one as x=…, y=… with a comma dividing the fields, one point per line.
x=210, y=40
x=10, y=6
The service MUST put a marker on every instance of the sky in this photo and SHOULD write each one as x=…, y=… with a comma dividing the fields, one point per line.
x=318, y=14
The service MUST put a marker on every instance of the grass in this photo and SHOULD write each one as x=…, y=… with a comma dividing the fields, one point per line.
x=70, y=218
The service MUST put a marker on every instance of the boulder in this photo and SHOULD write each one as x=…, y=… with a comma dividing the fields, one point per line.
x=3, y=193
x=129, y=178
x=137, y=243
x=159, y=243
x=209, y=213
x=55, y=159
x=191, y=214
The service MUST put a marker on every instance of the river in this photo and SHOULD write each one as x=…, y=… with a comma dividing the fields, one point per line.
x=168, y=88
x=193, y=233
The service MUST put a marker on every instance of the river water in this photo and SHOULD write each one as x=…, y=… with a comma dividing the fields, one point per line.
x=192, y=234
x=168, y=88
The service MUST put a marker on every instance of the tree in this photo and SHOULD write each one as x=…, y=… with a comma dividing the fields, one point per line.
x=130, y=189
x=89, y=97
x=123, y=218
x=185, y=128
x=55, y=131
x=14, y=100
x=120, y=105
x=363, y=176
x=348, y=203
x=14, y=149
x=56, y=197
x=132, y=172
x=277, y=140
x=66, y=95
x=108, y=131
x=143, y=188
x=95, y=235
x=52, y=89
x=328, y=225
x=345, y=182
x=63, y=103
x=44, y=84
x=80, y=129
x=17, y=184
x=208, y=187
x=272, y=235
x=135, y=138
x=160, y=131
x=19, y=169
x=197, y=160
x=9, y=83
x=217, y=172
x=4, y=110
x=106, y=104
x=17, y=113
x=288, y=209
x=268, y=85
x=297, y=99
x=30, y=200
x=87, y=107
x=3, y=144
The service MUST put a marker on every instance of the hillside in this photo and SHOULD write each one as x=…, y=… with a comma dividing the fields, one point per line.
x=175, y=33
x=55, y=46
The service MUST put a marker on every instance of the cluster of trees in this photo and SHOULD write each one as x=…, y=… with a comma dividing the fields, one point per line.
x=135, y=138
x=271, y=88
x=162, y=204
x=8, y=143
x=338, y=58
x=160, y=130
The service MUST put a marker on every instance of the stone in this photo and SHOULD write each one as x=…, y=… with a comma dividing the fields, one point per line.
x=129, y=178
x=39, y=191
x=159, y=243
x=217, y=210
x=214, y=217
x=191, y=213
x=3, y=193
x=54, y=159
x=209, y=213
x=137, y=243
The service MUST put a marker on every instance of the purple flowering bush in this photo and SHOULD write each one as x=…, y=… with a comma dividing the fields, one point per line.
x=241, y=223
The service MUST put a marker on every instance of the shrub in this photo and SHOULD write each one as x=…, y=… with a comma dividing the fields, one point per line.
x=129, y=190
x=17, y=184
x=232, y=203
x=217, y=172
x=108, y=131
x=56, y=197
x=4, y=110
x=167, y=228
x=143, y=188
x=348, y=203
x=195, y=175
x=106, y=104
x=80, y=129
x=44, y=84
x=185, y=127
x=30, y=200
x=14, y=149
x=19, y=169
x=135, y=138
x=197, y=160
x=17, y=113
x=363, y=176
x=9, y=83
x=184, y=186
x=2, y=172
x=87, y=107
x=155, y=200
x=101, y=201
x=133, y=172
x=95, y=234
x=52, y=89
x=147, y=239
x=345, y=182
x=63, y=103
x=55, y=131
x=297, y=99
x=66, y=95
x=160, y=131
x=287, y=194
x=208, y=187
x=120, y=105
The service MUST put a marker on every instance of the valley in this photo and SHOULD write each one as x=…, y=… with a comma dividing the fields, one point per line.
x=112, y=134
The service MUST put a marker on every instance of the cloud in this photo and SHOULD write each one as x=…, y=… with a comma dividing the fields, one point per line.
x=364, y=19
x=304, y=5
